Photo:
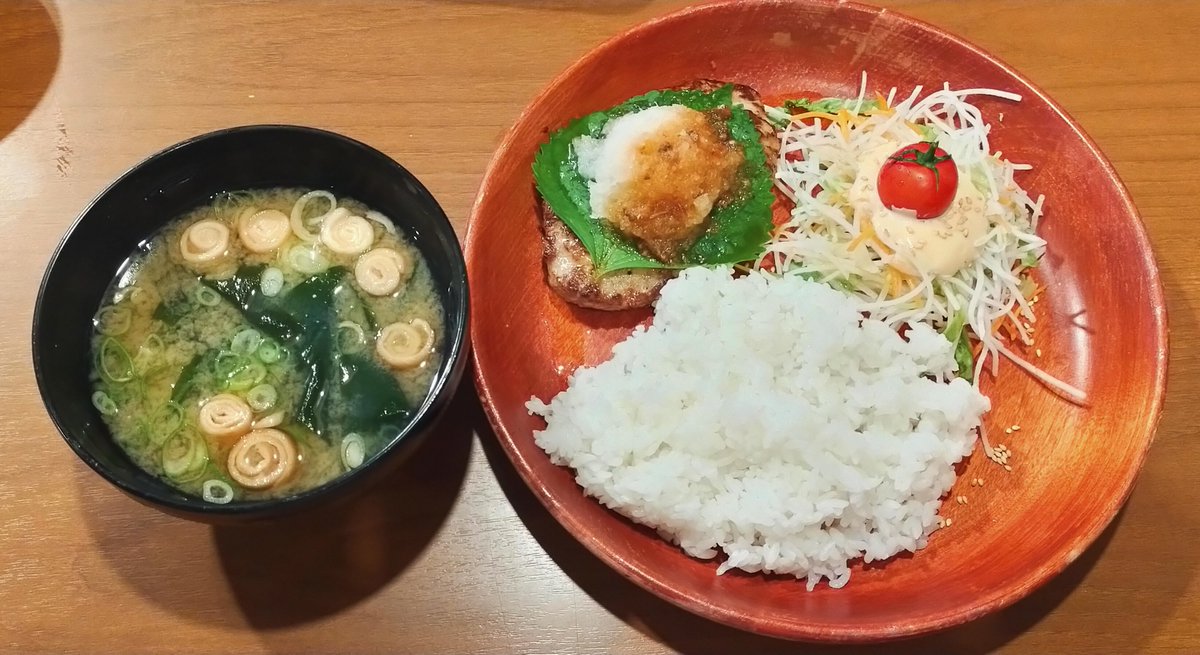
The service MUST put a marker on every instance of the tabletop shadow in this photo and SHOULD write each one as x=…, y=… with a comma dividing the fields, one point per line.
x=296, y=569
x=30, y=49
x=684, y=632
x=316, y=564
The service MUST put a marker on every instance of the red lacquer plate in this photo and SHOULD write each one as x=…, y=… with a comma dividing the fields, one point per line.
x=1102, y=326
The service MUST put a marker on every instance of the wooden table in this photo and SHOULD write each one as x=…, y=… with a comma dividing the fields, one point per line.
x=453, y=554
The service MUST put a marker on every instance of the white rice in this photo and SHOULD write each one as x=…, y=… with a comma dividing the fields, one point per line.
x=762, y=418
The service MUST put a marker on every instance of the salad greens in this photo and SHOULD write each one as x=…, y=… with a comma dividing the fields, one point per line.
x=829, y=105
x=738, y=230
x=956, y=335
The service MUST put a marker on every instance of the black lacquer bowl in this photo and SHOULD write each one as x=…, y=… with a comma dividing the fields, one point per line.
x=179, y=179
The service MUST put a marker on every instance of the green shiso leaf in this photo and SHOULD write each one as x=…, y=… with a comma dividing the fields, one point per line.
x=738, y=229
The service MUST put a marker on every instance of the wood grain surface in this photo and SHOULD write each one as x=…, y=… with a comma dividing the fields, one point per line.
x=453, y=554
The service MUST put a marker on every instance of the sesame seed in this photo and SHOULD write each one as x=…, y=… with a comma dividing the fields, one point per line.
x=948, y=522
x=1007, y=468
x=1007, y=430
x=1015, y=428
x=1038, y=352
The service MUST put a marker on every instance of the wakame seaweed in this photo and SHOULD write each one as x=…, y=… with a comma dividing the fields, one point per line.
x=187, y=376
x=305, y=319
x=738, y=229
x=170, y=310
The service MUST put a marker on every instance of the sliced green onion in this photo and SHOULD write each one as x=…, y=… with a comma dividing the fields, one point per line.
x=246, y=342
x=270, y=420
x=216, y=491
x=150, y=355
x=152, y=346
x=248, y=375
x=134, y=438
x=308, y=259
x=227, y=363
x=112, y=320
x=382, y=220
x=262, y=397
x=271, y=282
x=357, y=338
x=207, y=297
x=104, y=404
x=270, y=352
x=166, y=422
x=115, y=364
x=354, y=451
x=184, y=457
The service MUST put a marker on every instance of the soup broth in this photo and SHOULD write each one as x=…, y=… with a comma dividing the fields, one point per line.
x=265, y=344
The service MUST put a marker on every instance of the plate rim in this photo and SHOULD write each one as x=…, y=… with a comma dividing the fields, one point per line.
x=1009, y=594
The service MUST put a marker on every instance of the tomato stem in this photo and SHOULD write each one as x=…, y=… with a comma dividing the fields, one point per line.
x=927, y=158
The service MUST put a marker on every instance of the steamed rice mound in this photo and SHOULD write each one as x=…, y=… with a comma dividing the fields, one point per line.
x=764, y=419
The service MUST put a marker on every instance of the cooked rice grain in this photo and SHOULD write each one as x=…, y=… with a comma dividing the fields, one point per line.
x=764, y=419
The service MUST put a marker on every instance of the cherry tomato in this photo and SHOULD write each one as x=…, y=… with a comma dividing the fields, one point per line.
x=921, y=178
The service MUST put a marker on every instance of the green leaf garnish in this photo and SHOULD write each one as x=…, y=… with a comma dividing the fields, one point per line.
x=956, y=334
x=829, y=105
x=737, y=230
x=965, y=360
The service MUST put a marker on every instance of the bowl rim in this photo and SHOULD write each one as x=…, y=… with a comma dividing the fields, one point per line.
x=800, y=630
x=435, y=400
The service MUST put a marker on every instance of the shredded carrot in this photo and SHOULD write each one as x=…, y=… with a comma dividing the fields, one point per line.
x=843, y=123
x=815, y=114
x=898, y=282
x=883, y=109
x=1002, y=324
x=867, y=232
x=1008, y=323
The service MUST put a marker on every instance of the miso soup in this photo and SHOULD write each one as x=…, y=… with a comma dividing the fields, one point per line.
x=265, y=344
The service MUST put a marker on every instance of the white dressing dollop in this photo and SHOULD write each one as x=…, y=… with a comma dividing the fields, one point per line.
x=942, y=245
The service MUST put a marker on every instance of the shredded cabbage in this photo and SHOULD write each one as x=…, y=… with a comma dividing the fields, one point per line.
x=814, y=241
